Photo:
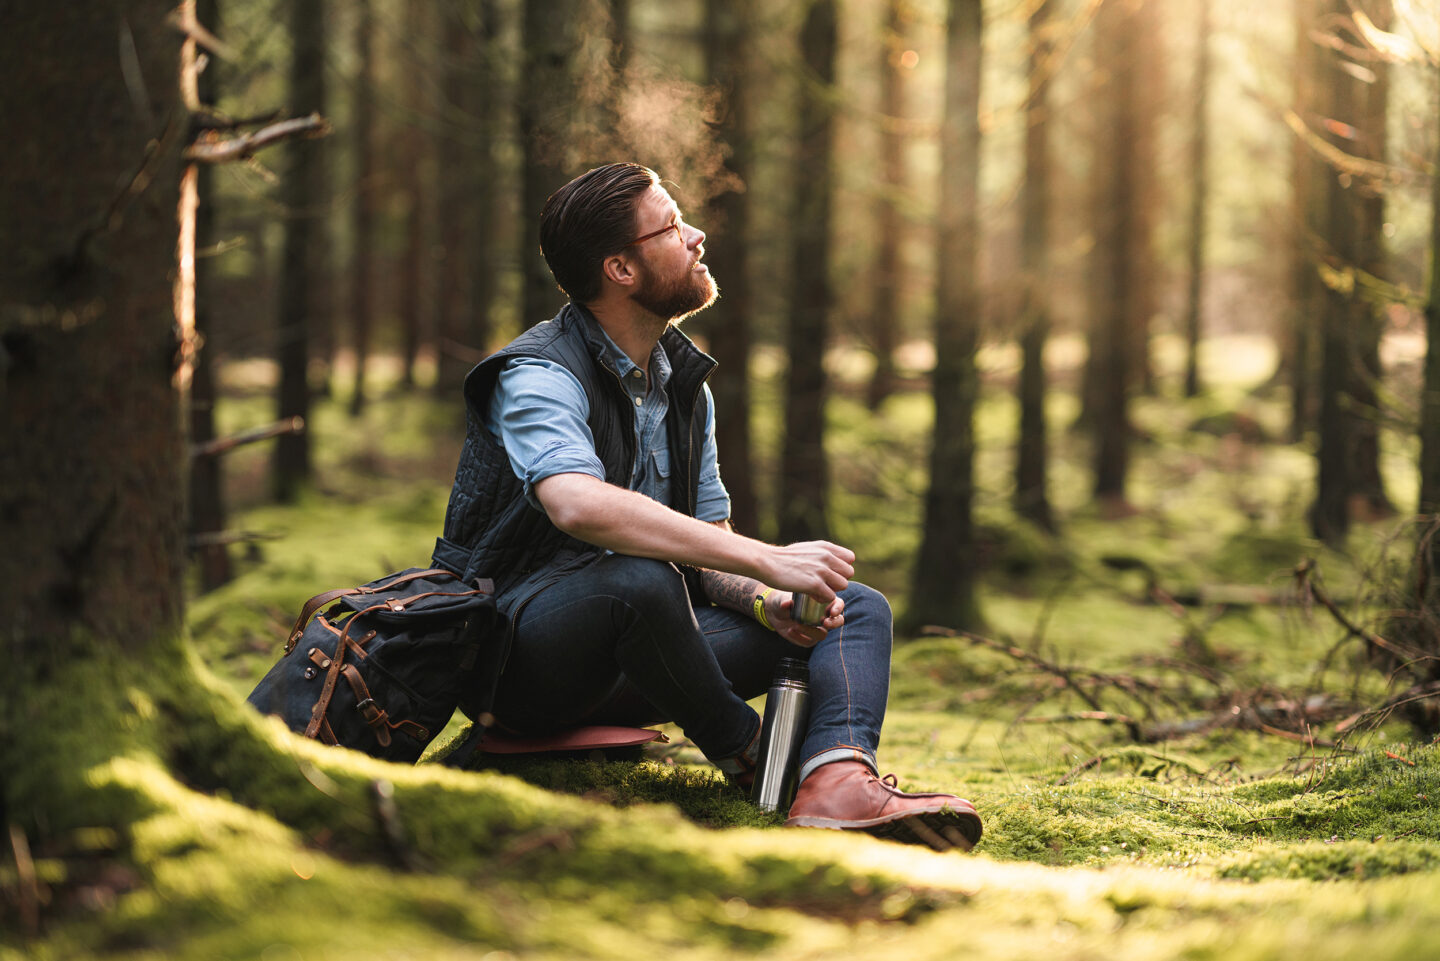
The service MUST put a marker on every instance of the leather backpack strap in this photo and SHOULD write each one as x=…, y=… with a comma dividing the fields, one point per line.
x=401, y=579
x=309, y=610
x=373, y=713
x=327, y=692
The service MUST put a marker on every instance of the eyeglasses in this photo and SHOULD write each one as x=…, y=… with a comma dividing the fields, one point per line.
x=672, y=225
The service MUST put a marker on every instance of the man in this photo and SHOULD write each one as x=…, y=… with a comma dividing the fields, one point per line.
x=588, y=489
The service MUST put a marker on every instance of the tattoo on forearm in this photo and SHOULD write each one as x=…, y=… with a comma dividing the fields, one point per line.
x=733, y=591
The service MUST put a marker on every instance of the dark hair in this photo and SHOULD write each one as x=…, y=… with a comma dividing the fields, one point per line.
x=587, y=220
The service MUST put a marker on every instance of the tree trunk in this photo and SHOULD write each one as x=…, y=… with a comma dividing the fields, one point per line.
x=727, y=225
x=1367, y=489
x=804, y=473
x=414, y=178
x=1032, y=457
x=207, y=489
x=1429, y=503
x=946, y=570
x=303, y=283
x=451, y=282
x=483, y=99
x=91, y=431
x=1199, y=195
x=546, y=103
x=362, y=211
x=1114, y=272
x=889, y=264
x=1329, y=515
x=1144, y=44
x=1308, y=173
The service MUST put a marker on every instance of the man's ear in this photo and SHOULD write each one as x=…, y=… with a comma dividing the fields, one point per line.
x=620, y=269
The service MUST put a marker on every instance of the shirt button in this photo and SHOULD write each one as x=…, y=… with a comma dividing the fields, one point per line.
x=637, y=372
x=637, y=401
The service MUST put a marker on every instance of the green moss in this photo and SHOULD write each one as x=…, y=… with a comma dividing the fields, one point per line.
x=1330, y=861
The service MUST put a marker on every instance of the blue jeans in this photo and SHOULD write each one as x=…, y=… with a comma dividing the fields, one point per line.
x=619, y=643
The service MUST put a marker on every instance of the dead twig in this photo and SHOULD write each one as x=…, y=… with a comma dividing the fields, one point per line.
x=388, y=816
x=1306, y=580
x=1021, y=655
x=221, y=445
x=28, y=884
x=213, y=149
x=1079, y=769
x=1102, y=716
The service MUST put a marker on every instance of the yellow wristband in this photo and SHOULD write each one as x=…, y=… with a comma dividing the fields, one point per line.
x=760, y=608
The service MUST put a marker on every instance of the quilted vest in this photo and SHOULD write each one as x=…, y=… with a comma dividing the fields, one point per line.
x=491, y=529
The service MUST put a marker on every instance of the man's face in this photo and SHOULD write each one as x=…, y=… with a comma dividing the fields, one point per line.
x=673, y=282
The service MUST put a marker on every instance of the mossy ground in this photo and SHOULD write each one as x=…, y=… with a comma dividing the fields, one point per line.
x=195, y=830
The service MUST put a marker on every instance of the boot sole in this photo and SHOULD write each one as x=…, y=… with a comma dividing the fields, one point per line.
x=942, y=827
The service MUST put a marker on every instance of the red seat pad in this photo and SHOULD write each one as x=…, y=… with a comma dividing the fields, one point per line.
x=597, y=737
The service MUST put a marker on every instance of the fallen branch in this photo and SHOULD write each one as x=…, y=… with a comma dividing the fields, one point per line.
x=1305, y=581
x=1102, y=716
x=213, y=149
x=221, y=445
x=1419, y=692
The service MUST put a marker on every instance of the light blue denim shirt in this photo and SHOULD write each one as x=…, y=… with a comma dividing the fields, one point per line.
x=539, y=412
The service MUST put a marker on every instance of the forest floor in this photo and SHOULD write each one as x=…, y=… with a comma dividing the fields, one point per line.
x=1167, y=733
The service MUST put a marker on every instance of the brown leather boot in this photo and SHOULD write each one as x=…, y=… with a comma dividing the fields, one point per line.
x=847, y=794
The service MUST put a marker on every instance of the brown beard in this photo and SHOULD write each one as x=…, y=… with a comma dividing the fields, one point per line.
x=678, y=298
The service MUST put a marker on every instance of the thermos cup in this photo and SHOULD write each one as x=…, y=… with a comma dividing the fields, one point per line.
x=806, y=609
x=787, y=710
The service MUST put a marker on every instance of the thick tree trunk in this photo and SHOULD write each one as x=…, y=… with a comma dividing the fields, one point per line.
x=546, y=105
x=1199, y=195
x=363, y=207
x=1031, y=499
x=727, y=225
x=303, y=284
x=804, y=472
x=946, y=569
x=91, y=433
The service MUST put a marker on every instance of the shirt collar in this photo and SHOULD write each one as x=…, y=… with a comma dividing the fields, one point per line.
x=659, y=363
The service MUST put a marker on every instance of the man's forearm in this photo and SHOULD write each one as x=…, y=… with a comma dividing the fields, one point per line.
x=734, y=591
x=631, y=523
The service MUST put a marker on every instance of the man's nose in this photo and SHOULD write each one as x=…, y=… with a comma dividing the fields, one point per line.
x=698, y=238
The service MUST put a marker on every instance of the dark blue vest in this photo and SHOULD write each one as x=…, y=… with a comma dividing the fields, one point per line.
x=491, y=530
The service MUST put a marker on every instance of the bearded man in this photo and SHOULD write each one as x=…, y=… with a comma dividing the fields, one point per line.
x=588, y=489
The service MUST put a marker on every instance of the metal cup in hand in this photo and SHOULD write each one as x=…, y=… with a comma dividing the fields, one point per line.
x=808, y=610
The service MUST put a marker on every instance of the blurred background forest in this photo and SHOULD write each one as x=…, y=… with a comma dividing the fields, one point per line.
x=984, y=274
x=1107, y=333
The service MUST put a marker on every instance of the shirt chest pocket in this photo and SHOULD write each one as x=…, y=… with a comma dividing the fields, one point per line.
x=660, y=458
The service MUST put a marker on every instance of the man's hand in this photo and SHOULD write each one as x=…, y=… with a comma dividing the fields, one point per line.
x=780, y=609
x=818, y=568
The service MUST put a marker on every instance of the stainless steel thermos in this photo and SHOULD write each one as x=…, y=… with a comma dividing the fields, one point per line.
x=787, y=711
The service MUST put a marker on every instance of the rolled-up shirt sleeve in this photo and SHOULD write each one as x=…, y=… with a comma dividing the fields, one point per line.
x=540, y=412
x=713, y=502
